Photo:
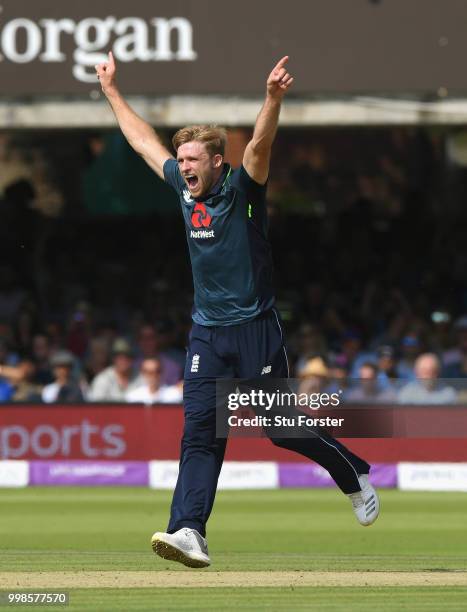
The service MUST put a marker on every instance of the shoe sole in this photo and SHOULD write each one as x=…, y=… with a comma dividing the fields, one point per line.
x=172, y=553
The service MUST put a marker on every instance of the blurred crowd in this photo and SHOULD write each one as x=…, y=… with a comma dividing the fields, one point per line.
x=97, y=368
x=367, y=229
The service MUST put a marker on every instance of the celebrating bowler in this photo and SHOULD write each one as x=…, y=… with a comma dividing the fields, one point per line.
x=237, y=331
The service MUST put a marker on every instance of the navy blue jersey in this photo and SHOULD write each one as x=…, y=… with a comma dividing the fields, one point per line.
x=230, y=254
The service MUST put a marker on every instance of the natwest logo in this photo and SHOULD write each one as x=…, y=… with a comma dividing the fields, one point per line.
x=202, y=234
x=132, y=39
x=200, y=216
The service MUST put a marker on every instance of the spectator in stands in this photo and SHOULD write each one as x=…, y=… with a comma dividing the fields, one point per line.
x=55, y=336
x=113, y=383
x=427, y=389
x=309, y=342
x=21, y=378
x=148, y=347
x=338, y=374
x=440, y=334
x=7, y=357
x=386, y=363
x=6, y=390
x=79, y=329
x=151, y=390
x=25, y=326
x=64, y=389
x=25, y=389
x=166, y=333
x=351, y=347
x=314, y=376
x=411, y=348
x=41, y=355
x=107, y=331
x=368, y=389
x=98, y=358
x=456, y=360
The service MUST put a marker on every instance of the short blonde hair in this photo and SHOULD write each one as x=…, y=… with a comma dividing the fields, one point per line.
x=213, y=136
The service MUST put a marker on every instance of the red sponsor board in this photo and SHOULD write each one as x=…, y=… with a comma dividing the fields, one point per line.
x=91, y=431
x=99, y=431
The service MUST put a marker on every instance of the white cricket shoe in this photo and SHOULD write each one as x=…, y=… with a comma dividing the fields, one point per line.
x=186, y=546
x=365, y=502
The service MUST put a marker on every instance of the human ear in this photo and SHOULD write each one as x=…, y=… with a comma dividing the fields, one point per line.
x=217, y=160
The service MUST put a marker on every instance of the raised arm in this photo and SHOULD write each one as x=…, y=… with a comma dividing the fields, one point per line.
x=140, y=135
x=258, y=151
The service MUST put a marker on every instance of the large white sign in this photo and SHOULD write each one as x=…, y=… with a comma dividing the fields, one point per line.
x=14, y=473
x=234, y=475
x=432, y=476
x=159, y=39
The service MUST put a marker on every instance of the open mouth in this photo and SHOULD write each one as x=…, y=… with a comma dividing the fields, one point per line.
x=192, y=181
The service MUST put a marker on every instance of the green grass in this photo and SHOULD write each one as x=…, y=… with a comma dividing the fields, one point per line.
x=106, y=529
x=432, y=599
x=51, y=529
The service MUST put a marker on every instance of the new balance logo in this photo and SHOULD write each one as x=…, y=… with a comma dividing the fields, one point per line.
x=195, y=363
x=266, y=370
x=187, y=196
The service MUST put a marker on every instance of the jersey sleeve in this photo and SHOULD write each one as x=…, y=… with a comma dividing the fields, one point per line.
x=255, y=193
x=172, y=174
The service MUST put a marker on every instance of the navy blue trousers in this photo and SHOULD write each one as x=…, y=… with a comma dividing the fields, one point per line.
x=237, y=351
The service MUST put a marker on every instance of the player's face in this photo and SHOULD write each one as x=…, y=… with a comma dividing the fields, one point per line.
x=199, y=169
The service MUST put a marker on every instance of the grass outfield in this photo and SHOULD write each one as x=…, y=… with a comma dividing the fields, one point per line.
x=108, y=530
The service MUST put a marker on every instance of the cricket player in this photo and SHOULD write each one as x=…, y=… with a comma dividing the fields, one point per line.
x=237, y=331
